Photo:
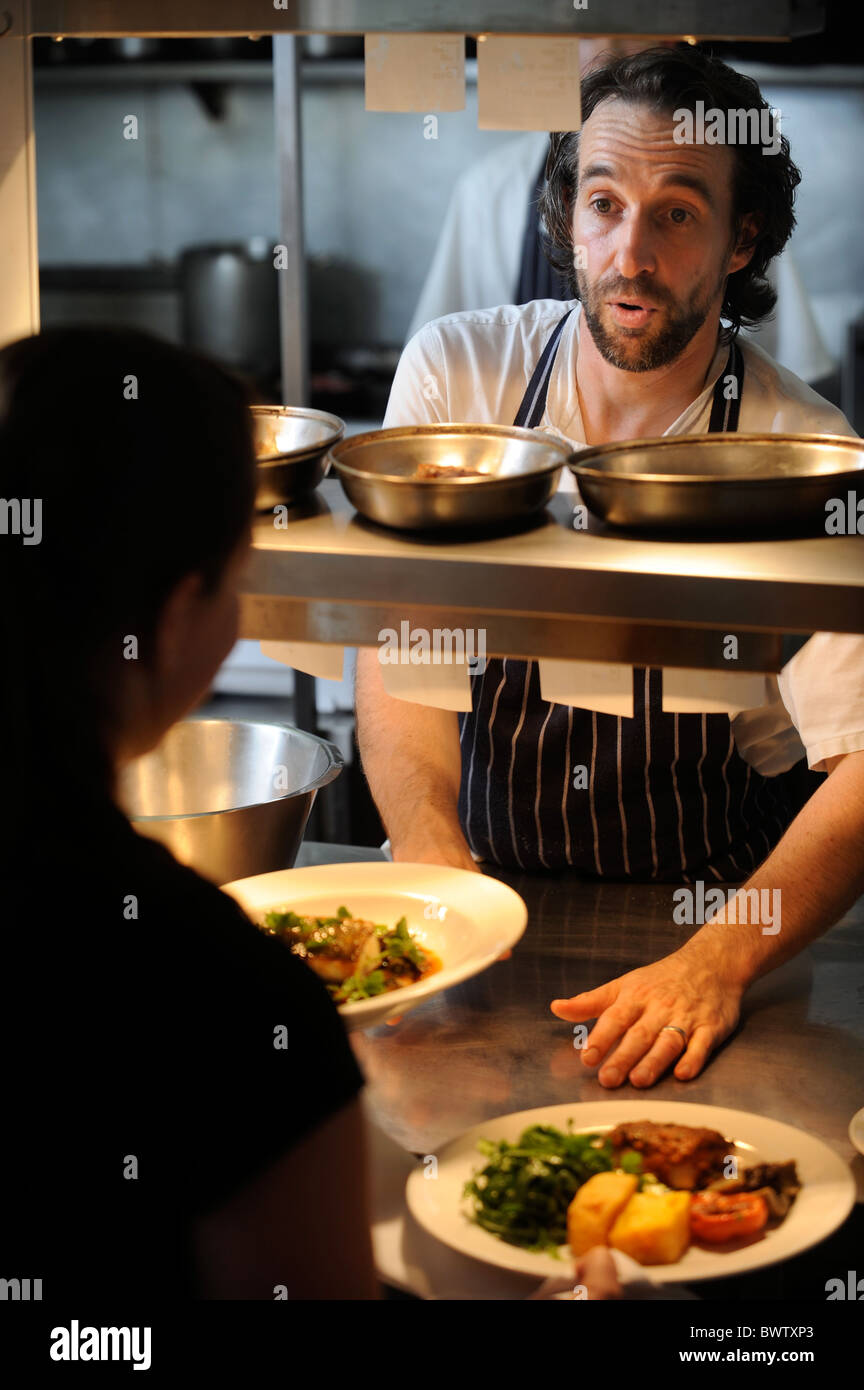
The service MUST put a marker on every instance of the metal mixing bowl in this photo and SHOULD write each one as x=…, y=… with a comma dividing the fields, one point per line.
x=229, y=797
x=519, y=472
x=729, y=482
x=291, y=444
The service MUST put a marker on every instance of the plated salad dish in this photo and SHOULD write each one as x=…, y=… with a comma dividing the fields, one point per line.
x=356, y=958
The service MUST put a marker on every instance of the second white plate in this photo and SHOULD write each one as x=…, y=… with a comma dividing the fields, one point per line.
x=824, y=1202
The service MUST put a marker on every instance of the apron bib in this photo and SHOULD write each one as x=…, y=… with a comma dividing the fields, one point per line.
x=659, y=796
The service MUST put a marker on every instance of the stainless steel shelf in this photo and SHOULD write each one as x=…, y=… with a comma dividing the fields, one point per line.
x=770, y=19
x=550, y=591
x=325, y=72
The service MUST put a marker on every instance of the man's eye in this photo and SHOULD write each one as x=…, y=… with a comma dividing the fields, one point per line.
x=595, y=204
x=679, y=215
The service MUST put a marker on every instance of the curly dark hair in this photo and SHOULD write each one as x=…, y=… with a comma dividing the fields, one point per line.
x=764, y=187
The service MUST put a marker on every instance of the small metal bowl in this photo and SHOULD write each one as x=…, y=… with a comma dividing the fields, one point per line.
x=719, y=482
x=518, y=471
x=291, y=444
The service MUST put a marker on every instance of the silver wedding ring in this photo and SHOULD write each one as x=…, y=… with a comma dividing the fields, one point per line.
x=673, y=1028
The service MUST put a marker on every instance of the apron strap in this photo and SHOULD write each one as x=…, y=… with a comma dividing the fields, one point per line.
x=726, y=410
x=530, y=412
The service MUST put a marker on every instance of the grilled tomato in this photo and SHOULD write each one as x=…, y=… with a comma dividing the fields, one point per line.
x=716, y=1217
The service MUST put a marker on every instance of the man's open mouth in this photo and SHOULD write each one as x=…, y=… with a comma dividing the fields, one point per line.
x=630, y=311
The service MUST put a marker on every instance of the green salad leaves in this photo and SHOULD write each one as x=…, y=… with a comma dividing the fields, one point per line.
x=396, y=960
x=523, y=1192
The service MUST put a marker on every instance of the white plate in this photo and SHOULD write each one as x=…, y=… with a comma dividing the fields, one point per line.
x=824, y=1202
x=856, y=1130
x=468, y=920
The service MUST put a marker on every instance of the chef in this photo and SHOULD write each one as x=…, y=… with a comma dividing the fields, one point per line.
x=667, y=245
x=491, y=247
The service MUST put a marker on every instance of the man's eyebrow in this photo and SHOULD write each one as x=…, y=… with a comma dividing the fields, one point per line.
x=692, y=181
x=596, y=171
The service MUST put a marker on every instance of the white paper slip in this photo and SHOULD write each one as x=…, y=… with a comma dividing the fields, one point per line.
x=604, y=686
x=441, y=685
x=324, y=659
x=415, y=72
x=711, y=692
x=528, y=82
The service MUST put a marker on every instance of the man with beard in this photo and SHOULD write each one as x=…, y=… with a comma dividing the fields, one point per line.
x=666, y=244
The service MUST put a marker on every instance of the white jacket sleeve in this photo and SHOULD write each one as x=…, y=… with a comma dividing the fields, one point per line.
x=766, y=737
x=823, y=689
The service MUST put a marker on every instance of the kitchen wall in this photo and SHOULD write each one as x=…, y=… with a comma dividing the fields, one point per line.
x=375, y=189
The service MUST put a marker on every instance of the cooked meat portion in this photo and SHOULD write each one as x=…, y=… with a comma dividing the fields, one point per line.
x=681, y=1156
x=338, y=951
x=436, y=470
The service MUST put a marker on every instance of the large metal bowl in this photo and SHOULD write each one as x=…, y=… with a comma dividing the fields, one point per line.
x=229, y=797
x=712, y=482
x=518, y=473
x=291, y=444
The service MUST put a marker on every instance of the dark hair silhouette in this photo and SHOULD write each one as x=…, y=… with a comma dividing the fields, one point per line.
x=763, y=185
x=135, y=494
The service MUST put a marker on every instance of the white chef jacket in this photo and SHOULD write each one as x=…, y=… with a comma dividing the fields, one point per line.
x=476, y=260
x=474, y=367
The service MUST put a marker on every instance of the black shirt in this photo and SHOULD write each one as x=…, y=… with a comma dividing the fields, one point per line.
x=158, y=1052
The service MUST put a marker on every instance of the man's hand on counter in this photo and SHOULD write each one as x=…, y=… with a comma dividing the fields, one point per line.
x=816, y=872
x=689, y=989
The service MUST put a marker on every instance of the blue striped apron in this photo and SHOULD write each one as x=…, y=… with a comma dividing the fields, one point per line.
x=662, y=796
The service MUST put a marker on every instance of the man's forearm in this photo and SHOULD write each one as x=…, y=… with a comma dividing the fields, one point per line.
x=818, y=870
x=412, y=762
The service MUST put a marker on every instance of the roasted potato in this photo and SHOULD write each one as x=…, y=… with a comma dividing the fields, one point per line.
x=654, y=1227
x=595, y=1208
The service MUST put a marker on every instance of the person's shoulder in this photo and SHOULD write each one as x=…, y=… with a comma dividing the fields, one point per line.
x=499, y=324
x=207, y=923
x=792, y=404
x=158, y=916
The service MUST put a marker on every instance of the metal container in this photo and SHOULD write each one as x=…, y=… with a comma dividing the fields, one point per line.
x=518, y=471
x=720, y=482
x=291, y=444
x=229, y=304
x=229, y=797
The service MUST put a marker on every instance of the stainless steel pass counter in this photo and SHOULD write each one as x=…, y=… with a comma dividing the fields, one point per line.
x=550, y=590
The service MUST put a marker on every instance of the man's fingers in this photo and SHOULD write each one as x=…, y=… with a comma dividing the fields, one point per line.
x=699, y=1049
x=596, y=1272
x=588, y=1005
x=610, y=1027
x=668, y=1048
x=635, y=1041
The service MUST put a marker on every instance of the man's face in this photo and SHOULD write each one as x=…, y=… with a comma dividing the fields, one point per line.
x=655, y=221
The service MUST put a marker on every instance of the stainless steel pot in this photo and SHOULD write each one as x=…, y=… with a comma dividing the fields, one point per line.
x=229, y=304
x=228, y=797
x=517, y=473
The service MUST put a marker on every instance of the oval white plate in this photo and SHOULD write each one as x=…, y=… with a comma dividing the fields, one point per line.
x=468, y=920
x=824, y=1202
x=856, y=1130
